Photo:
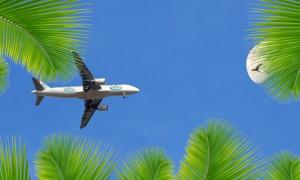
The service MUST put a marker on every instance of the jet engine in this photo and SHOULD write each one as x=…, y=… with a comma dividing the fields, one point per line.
x=99, y=81
x=103, y=107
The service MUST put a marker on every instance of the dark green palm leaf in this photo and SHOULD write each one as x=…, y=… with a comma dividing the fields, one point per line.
x=150, y=164
x=13, y=161
x=217, y=151
x=40, y=35
x=277, y=26
x=72, y=158
x=284, y=166
x=3, y=73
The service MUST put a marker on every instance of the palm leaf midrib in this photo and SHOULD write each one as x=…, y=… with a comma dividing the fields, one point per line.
x=157, y=170
x=291, y=170
x=208, y=156
x=30, y=35
x=60, y=171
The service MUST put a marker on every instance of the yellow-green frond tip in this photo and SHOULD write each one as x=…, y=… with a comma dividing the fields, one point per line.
x=13, y=160
x=277, y=26
x=284, y=165
x=151, y=163
x=65, y=156
x=40, y=35
x=219, y=151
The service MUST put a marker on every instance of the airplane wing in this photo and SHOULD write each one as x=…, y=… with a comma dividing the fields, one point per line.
x=86, y=76
x=90, y=108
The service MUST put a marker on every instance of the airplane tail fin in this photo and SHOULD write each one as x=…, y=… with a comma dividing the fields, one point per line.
x=39, y=86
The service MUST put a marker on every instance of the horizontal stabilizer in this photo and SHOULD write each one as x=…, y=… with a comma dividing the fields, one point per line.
x=38, y=100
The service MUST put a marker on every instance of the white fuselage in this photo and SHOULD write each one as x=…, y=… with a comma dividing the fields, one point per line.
x=78, y=92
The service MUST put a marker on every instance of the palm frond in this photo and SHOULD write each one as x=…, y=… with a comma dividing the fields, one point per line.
x=284, y=165
x=3, y=74
x=277, y=26
x=69, y=157
x=217, y=151
x=149, y=164
x=13, y=160
x=40, y=35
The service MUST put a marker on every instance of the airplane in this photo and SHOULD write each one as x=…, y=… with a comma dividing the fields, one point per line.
x=92, y=91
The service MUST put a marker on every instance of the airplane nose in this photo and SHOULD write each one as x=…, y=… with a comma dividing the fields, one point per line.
x=134, y=89
x=33, y=92
x=129, y=89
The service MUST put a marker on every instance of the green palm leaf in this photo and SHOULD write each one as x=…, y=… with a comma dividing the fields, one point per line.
x=284, y=166
x=277, y=25
x=217, y=151
x=3, y=73
x=40, y=35
x=13, y=161
x=72, y=158
x=150, y=164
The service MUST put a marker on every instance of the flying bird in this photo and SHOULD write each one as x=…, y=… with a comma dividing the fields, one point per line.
x=257, y=67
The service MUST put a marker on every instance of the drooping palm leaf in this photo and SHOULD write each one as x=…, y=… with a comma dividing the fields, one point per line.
x=69, y=157
x=217, y=151
x=150, y=164
x=40, y=35
x=3, y=73
x=13, y=161
x=277, y=26
x=284, y=166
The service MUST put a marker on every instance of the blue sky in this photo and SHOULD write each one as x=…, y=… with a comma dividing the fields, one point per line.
x=188, y=60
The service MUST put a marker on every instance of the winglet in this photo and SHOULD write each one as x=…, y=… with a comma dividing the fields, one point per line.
x=78, y=61
x=83, y=124
x=76, y=56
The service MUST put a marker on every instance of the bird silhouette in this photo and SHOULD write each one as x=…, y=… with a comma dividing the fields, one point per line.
x=257, y=67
